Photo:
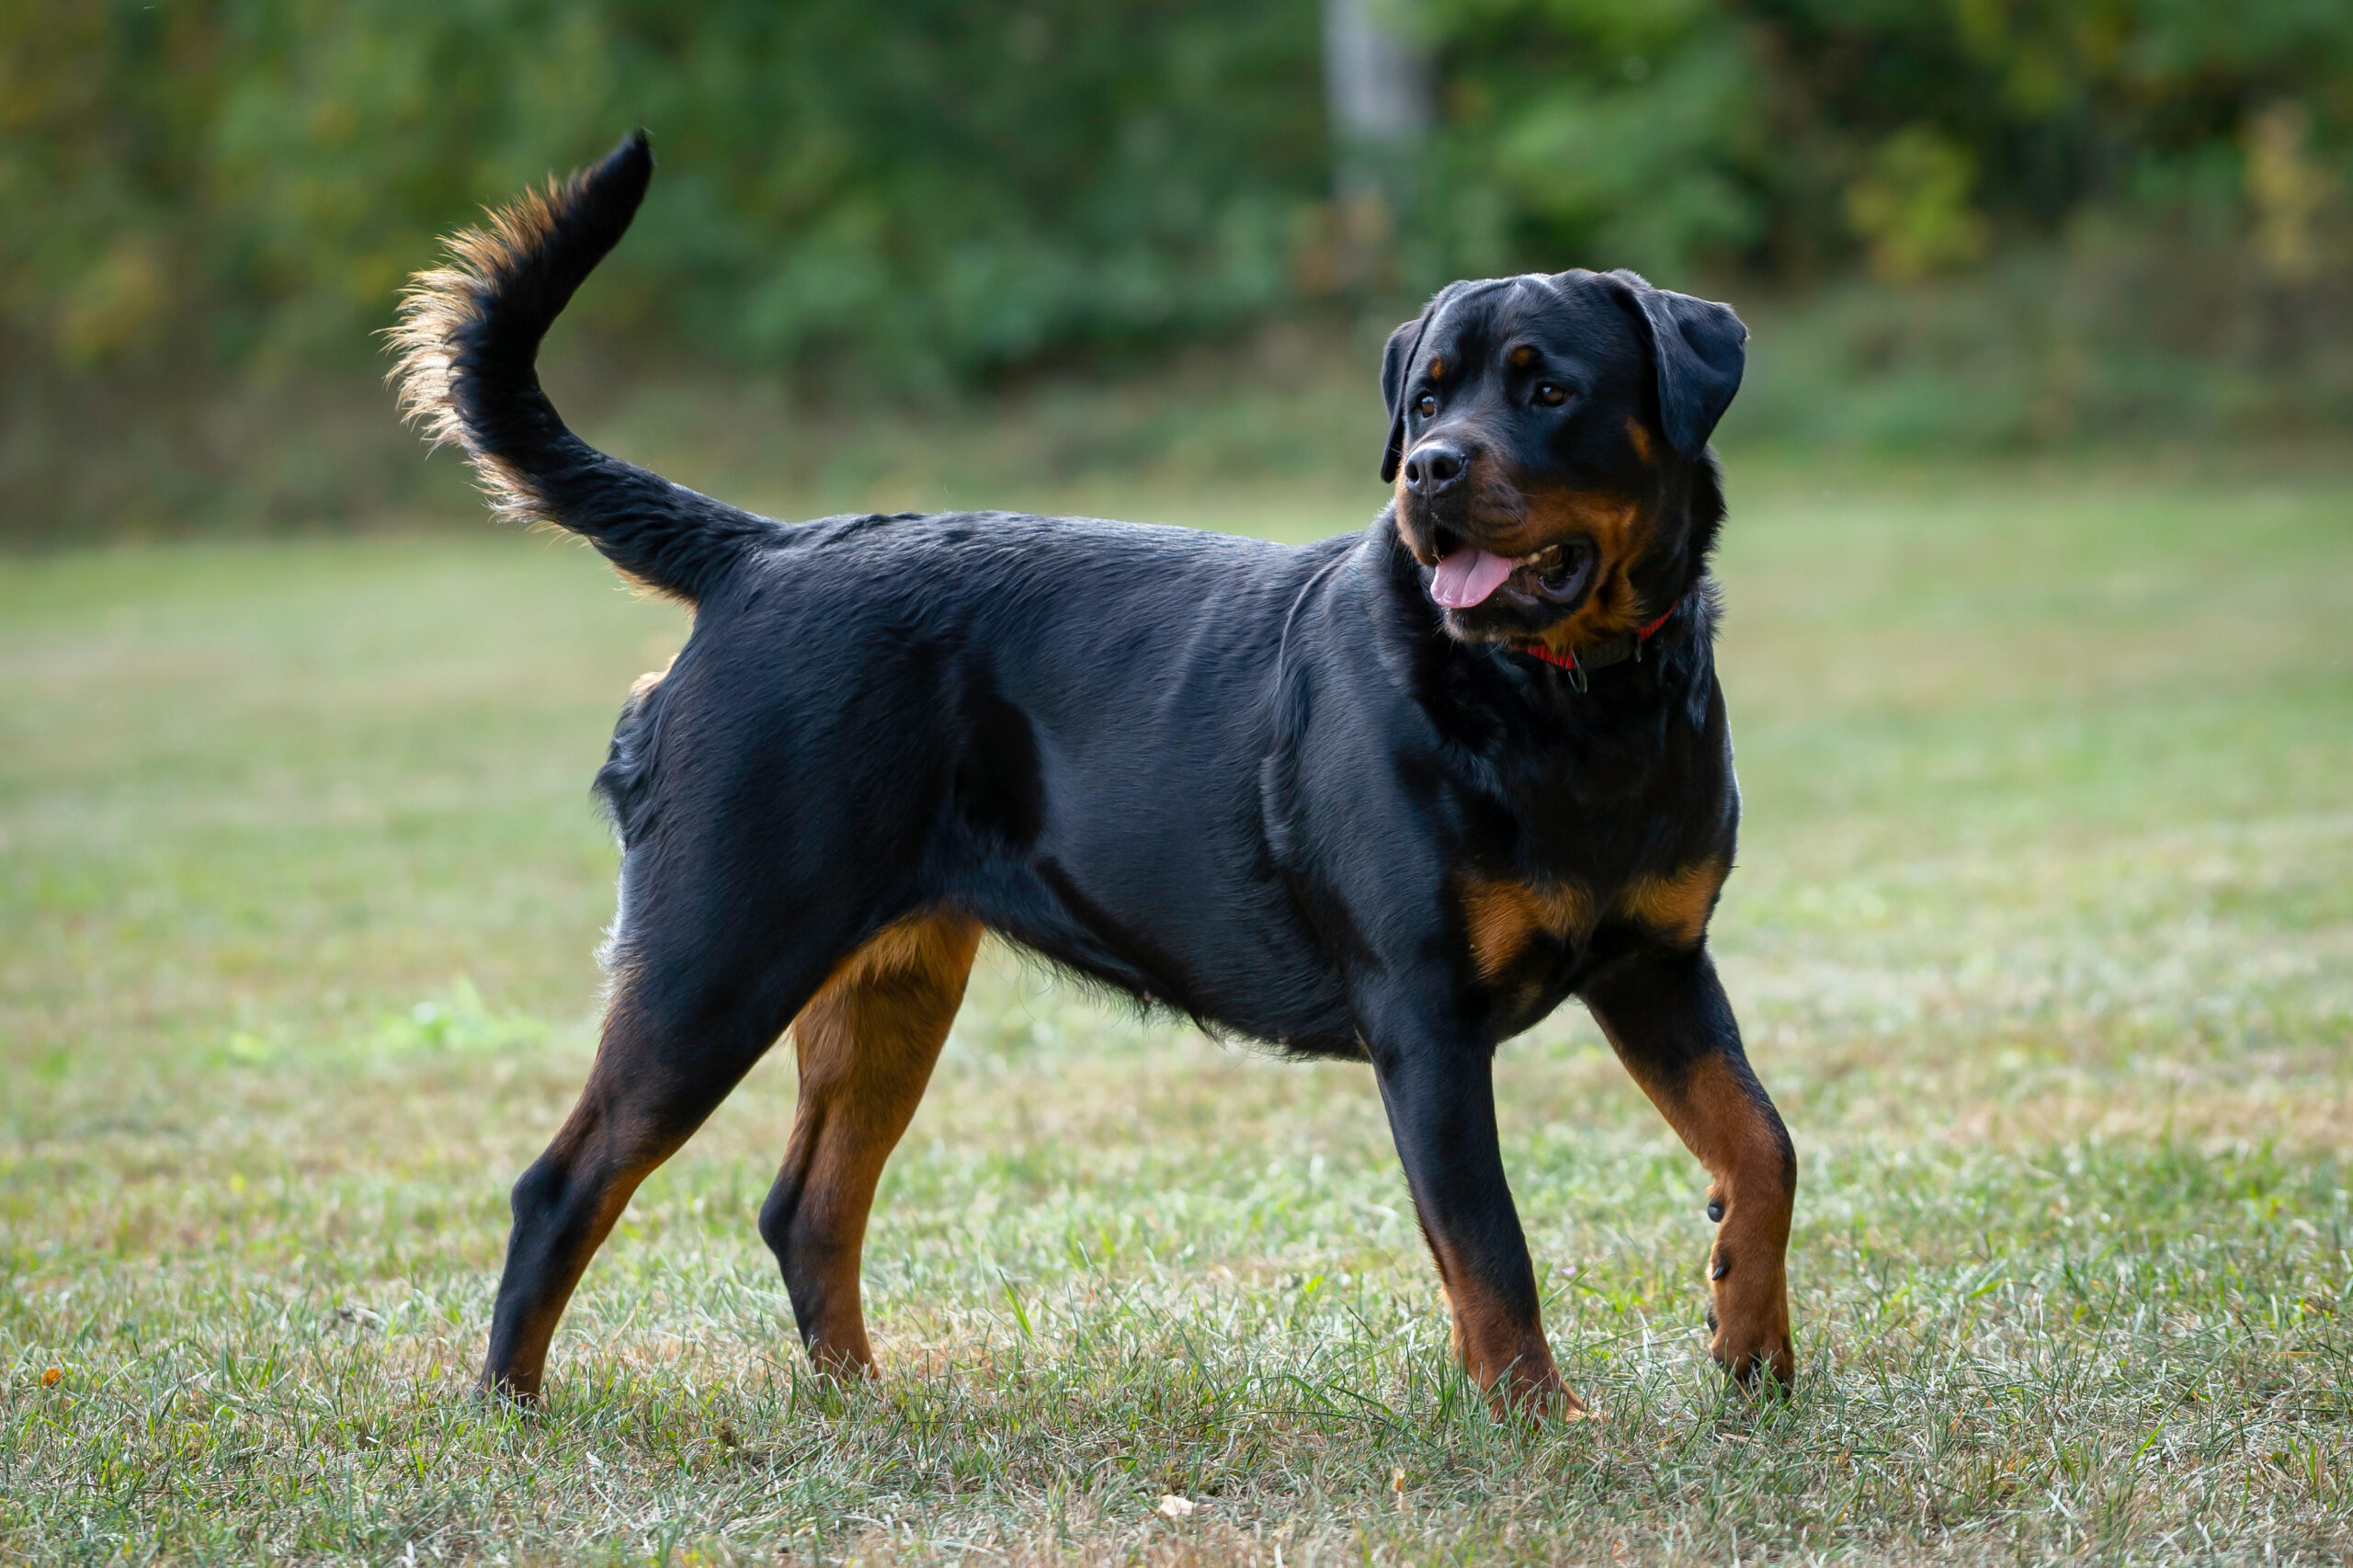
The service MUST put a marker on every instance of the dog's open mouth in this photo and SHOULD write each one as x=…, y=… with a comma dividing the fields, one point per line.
x=1557, y=575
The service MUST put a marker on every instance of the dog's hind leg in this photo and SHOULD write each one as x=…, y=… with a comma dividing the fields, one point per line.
x=1666, y=1013
x=678, y=1039
x=867, y=1042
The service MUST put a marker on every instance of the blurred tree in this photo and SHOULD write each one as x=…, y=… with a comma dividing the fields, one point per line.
x=1377, y=90
x=2289, y=191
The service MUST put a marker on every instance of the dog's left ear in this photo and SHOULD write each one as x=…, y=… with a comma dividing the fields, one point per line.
x=1699, y=348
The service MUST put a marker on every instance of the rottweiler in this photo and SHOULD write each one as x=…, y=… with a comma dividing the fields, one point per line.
x=1391, y=797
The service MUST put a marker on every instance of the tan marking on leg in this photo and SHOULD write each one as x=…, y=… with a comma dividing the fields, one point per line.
x=1676, y=906
x=867, y=1043
x=1508, y=1358
x=609, y=1151
x=1721, y=1116
x=1504, y=917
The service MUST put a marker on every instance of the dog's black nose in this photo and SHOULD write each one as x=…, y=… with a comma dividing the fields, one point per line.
x=1435, y=468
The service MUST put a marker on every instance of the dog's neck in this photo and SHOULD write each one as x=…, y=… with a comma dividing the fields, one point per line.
x=1601, y=655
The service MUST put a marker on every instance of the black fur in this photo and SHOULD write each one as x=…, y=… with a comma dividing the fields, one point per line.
x=1243, y=781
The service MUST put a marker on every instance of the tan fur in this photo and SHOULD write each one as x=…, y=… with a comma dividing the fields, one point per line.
x=1640, y=439
x=1620, y=529
x=590, y=1130
x=1676, y=906
x=1723, y=1121
x=643, y=685
x=1508, y=1358
x=1520, y=523
x=867, y=1043
x=438, y=304
x=1414, y=542
x=1504, y=917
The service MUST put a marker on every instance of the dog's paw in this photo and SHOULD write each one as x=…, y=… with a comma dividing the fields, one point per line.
x=1763, y=1362
x=1542, y=1398
x=503, y=1395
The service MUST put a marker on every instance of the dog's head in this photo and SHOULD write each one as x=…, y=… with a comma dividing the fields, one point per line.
x=1544, y=433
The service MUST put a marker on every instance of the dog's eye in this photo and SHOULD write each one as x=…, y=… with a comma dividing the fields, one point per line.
x=1426, y=407
x=1551, y=395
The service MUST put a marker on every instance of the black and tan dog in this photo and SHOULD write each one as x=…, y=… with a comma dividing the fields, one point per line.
x=1391, y=797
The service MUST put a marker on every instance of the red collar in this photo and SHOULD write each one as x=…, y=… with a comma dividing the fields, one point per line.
x=1597, y=658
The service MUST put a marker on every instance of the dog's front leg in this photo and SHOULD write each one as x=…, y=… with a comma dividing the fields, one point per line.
x=1440, y=1099
x=1666, y=1013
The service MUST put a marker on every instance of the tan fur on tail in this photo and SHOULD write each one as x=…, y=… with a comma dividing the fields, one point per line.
x=440, y=303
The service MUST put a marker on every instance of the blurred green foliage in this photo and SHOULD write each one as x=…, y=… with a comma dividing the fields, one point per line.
x=952, y=189
x=929, y=185
x=1789, y=136
x=211, y=200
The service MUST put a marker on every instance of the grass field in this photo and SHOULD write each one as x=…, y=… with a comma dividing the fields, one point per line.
x=2043, y=938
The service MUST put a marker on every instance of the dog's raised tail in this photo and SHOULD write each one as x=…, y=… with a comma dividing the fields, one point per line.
x=468, y=339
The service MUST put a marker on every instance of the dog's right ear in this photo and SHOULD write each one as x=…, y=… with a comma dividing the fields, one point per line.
x=1396, y=360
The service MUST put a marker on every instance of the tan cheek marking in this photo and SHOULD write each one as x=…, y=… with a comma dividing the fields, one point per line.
x=1677, y=905
x=1418, y=546
x=1620, y=529
x=1640, y=439
x=1504, y=917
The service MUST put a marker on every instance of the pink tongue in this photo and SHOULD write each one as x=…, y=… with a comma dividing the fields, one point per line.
x=1467, y=577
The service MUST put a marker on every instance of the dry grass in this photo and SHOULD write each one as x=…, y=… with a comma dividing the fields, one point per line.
x=2041, y=936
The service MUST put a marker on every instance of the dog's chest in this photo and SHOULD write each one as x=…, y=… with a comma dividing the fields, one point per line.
x=1508, y=921
x=1623, y=833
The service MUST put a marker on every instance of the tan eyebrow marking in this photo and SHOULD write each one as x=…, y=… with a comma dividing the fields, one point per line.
x=1523, y=356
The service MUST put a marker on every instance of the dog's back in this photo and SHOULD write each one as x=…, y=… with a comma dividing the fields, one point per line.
x=1057, y=676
